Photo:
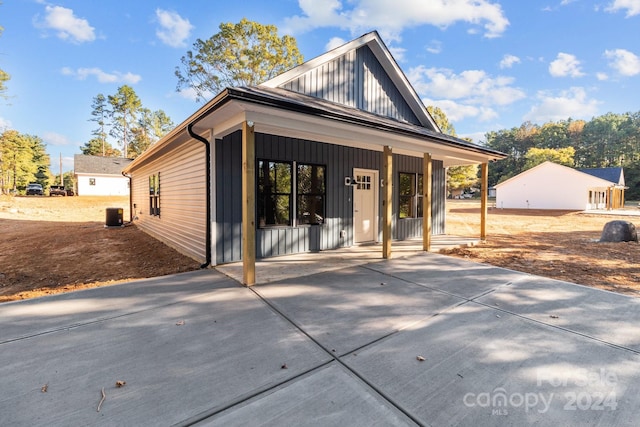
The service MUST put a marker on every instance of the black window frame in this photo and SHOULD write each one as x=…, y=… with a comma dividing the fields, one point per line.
x=154, y=194
x=410, y=199
x=267, y=201
x=314, y=211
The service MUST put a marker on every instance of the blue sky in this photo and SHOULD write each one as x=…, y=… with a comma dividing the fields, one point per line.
x=488, y=64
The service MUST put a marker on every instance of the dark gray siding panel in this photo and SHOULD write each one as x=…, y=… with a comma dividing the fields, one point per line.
x=229, y=198
x=340, y=162
x=357, y=80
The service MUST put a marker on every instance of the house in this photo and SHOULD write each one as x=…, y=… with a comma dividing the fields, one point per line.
x=100, y=176
x=553, y=186
x=338, y=151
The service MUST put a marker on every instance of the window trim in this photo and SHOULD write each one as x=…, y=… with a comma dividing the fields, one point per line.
x=154, y=195
x=415, y=198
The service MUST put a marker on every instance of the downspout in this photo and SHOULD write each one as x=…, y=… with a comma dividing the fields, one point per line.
x=130, y=197
x=207, y=146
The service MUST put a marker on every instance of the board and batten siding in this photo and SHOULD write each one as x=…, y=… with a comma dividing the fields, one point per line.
x=340, y=162
x=408, y=228
x=355, y=79
x=183, y=211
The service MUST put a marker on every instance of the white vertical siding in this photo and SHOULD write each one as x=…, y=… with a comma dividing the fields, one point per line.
x=183, y=210
x=547, y=186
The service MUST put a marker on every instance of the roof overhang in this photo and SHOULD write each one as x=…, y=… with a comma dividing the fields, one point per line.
x=277, y=112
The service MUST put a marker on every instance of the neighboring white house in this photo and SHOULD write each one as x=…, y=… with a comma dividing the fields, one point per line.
x=100, y=176
x=553, y=186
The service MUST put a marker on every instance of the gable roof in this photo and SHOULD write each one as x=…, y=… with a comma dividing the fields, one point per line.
x=275, y=108
x=554, y=167
x=361, y=74
x=615, y=175
x=84, y=164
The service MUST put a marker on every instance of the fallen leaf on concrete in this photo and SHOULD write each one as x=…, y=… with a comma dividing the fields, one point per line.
x=382, y=283
x=120, y=383
x=180, y=322
x=44, y=388
x=498, y=316
x=284, y=366
x=553, y=316
x=420, y=359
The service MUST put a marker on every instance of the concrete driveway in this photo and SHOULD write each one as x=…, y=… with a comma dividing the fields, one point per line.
x=420, y=340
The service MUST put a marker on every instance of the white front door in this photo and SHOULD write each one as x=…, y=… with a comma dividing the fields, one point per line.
x=365, y=206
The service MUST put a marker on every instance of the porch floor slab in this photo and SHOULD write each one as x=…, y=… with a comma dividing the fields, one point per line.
x=422, y=339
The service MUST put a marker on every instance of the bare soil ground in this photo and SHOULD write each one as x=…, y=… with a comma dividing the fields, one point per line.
x=59, y=244
x=557, y=244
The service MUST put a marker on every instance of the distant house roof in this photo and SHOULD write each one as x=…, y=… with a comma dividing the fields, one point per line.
x=550, y=166
x=615, y=175
x=84, y=164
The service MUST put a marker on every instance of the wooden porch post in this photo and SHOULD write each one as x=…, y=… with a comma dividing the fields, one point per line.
x=484, y=194
x=426, y=201
x=248, y=205
x=387, y=195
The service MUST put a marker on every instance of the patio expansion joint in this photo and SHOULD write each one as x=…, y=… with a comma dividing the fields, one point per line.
x=247, y=397
x=98, y=320
x=475, y=298
x=337, y=358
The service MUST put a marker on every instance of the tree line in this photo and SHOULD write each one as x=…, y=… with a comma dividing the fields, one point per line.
x=610, y=140
x=122, y=117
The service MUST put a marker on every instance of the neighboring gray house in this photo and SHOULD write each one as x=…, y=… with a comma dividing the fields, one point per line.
x=100, y=176
x=336, y=152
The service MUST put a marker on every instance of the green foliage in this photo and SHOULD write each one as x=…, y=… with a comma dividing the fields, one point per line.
x=458, y=177
x=125, y=105
x=606, y=141
x=23, y=159
x=441, y=120
x=242, y=54
x=98, y=147
x=462, y=177
x=101, y=113
x=561, y=156
x=123, y=117
x=150, y=127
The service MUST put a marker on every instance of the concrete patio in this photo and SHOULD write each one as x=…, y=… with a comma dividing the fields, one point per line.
x=421, y=339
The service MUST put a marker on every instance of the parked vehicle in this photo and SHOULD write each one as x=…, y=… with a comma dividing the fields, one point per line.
x=57, y=190
x=35, y=190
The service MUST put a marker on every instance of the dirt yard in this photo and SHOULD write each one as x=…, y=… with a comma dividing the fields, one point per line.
x=557, y=244
x=58, y=244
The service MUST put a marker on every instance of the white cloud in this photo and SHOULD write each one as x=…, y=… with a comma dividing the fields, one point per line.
x=571, y=103
x=435, y=47
x=602, y=76
x=174, y=30
x=102, y=76
x=508, y=61
x=5, y=124
x=391, y=18
x=632, y=7
x=334, y=43
x=624, y=62
x=191, y=94
x=564, y=65
x=54, y=138
x=456, y=111
x=67, y=25
x=473, y=87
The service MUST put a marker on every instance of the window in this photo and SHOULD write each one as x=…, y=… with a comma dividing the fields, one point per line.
x=410, y=195
x=92, y=181
x=310, y=194
x=154, y=195
x=274, y=193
